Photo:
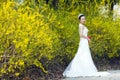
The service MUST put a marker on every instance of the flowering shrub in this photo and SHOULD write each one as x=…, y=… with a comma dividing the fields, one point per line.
x=26, y=36
x=105, y=36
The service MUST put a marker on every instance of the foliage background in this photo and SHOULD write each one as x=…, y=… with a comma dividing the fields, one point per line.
x=37, y=33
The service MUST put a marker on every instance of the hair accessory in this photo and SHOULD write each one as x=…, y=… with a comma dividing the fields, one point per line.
x=80, y=15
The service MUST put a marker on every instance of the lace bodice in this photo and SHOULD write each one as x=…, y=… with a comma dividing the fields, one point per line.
x=85, y=30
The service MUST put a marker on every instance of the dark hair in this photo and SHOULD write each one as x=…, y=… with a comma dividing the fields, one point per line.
x=81, y=15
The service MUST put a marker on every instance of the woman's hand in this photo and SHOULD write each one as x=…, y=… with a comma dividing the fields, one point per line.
x=88, y=38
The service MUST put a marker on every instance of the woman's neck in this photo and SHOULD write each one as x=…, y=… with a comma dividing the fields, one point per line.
x=82, y=24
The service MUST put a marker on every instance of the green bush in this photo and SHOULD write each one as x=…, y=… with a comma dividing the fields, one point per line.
x=26, y=36
x=105, y=36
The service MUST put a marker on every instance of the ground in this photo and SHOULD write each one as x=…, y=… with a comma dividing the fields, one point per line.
x=114, y=75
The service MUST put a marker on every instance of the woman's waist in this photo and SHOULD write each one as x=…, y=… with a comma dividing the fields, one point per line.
x=83, y=38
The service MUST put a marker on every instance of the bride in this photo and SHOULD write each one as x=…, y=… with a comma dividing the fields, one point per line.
x=82, y=64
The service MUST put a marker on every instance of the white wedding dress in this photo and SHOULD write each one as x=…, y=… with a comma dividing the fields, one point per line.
x=82, y=64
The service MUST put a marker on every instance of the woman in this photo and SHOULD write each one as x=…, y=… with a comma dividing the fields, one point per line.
x=82, y=64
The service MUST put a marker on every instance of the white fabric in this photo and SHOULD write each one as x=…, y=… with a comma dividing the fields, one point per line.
x=82, y=64
x=116, y=12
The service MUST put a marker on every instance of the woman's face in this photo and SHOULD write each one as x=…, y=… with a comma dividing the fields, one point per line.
x=82, y=20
